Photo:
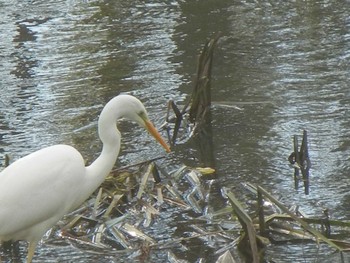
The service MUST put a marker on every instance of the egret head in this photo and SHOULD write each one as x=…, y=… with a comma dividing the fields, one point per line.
x=133, y=109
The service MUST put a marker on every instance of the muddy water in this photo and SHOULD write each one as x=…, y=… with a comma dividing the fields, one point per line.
x=284, y=64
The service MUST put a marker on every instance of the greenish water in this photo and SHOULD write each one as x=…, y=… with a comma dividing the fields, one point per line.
x=61, y=61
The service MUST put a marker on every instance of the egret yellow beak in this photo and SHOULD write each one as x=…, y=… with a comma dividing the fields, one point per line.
x=153, y=131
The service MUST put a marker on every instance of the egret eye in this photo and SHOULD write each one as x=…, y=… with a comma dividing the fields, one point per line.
x=143, y=115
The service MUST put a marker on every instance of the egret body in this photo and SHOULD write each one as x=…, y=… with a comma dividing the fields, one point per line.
x=37, y=190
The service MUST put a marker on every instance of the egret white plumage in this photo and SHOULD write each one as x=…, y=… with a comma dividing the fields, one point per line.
x=37, y=190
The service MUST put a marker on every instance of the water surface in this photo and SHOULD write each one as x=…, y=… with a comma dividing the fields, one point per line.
x=61, y=61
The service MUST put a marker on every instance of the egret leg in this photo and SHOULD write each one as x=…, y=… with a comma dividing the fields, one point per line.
x=31, y=250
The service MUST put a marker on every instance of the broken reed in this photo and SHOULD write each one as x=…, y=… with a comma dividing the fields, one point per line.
x=200, y=101
x=249, y=235
x=255, y=236
x=300, y=160
x=201, y=94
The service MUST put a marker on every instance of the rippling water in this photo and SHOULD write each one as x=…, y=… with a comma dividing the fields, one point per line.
x=64, y=60
x=61, y=61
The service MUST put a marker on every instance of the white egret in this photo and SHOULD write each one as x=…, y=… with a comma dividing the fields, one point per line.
x=37, y=190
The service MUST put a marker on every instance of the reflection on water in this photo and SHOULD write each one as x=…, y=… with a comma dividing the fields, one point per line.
x=68, y=57
x=62, y=60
